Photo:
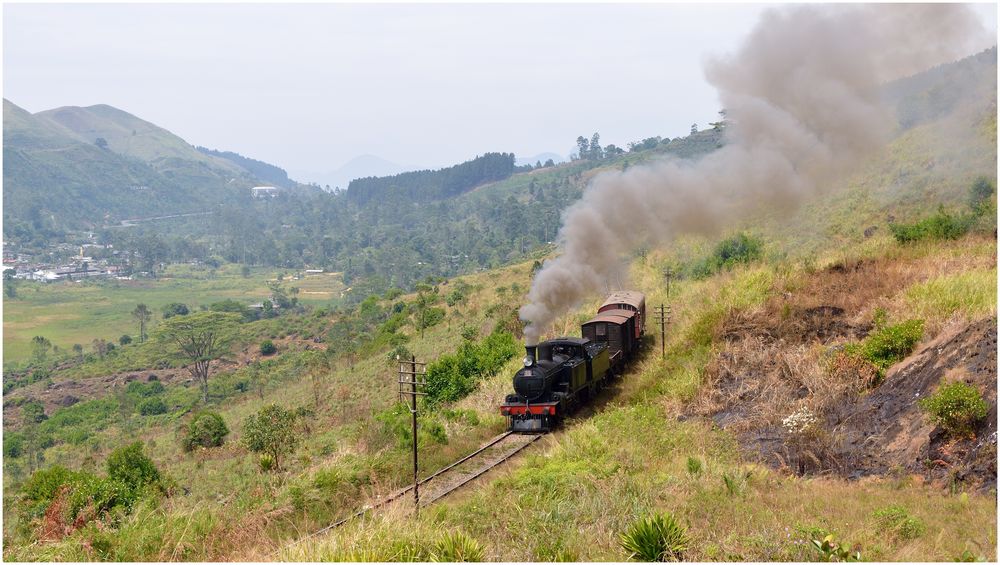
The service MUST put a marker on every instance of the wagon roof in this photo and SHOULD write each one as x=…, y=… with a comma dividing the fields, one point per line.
x=631, y=297
x=612, y=316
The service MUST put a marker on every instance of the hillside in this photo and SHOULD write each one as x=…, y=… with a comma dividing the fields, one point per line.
x=57, y=177
x=700, y=434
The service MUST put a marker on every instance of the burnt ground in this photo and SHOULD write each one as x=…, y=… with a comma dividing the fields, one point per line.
x=779, y=358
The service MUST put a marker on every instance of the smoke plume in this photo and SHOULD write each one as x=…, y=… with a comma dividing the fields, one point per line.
x=803, y=108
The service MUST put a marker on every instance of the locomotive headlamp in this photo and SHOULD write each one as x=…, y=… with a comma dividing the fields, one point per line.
x=528, y=361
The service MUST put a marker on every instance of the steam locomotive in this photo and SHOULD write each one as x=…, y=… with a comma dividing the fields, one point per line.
x=561, y=374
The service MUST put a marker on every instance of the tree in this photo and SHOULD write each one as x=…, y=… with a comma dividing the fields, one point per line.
x=125, y=339
x=271, y=432
x=423, y=308
x=694, y=129
x=550, y=163
x=9, y=284
x=596, y=152
x=100, y=347
x=175, y=309
x=101, y=142
x=142, y=315
x=78, y=351
x=199, y=338
x=40, y=347
x=583, y=147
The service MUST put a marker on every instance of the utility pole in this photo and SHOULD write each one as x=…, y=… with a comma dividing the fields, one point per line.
x=408, y=374
x=667, y=274
x=662, y=314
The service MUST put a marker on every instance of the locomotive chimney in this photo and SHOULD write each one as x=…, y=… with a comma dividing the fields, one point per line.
x=531, y=351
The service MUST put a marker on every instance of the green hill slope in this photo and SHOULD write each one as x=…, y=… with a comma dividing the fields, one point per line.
x=57, y=177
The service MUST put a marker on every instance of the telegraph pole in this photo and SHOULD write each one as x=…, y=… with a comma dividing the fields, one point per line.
x=662, y=314
x=408, y=374
x=667, y=274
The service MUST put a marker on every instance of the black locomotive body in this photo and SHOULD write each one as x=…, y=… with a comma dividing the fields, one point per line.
x=561, y=374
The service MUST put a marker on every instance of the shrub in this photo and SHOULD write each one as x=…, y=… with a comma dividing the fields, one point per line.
x=33, y=412
x=979, y=195
x=144, y=390
x=830, y=550
x=896, y=520
x=207, y=429
x=125, y=339
x=13, y=444
x=456, y=547
x=175, y=309
x=44, y=484
x=452, y=377
x=941, y=225
x=660, y=538
x=888, y=344
x=132, y=467
x=741, y=248
x=272, y=432
x=267, y=347
x=152, y=407
x=956, y=407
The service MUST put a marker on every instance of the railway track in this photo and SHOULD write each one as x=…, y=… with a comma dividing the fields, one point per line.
x=446, y=480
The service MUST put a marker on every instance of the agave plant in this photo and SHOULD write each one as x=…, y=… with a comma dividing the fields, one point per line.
x=457, y=546
x=659, y=538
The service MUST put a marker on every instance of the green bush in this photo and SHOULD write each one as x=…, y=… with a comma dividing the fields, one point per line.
x=44, y=484
x=660, y=538
x=207, y=429
x=458, y=547
x=152, y=407
x=887, y=344
x=132, y=467
x=33, y=412
x=267, y=347
x=897, y=521
x=272, y=432
x=941, y=225
x=979, y=195
x=956, y=407
x=13, y=444
x=144, y=390
x=125, y=339
x=452, y=377
x=741, y=248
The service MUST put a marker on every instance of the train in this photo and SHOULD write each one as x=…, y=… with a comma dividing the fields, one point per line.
x=559, y=375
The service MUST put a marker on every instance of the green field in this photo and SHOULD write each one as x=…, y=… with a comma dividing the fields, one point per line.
x=79, y=312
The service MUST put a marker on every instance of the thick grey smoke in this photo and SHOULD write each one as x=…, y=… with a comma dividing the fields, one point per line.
x=803, y=106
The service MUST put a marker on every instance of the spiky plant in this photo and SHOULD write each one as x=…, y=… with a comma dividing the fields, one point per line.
x=656, y=538
x=458, y=546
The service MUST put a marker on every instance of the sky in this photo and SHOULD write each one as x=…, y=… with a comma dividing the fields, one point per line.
x=308, y=87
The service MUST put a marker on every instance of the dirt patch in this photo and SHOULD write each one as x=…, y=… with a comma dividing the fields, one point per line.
x=783, y=358
x=758, y=382
x=887, y=431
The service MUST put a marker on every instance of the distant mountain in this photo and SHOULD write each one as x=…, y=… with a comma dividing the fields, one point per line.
x=76, y=167
x=362, y=166
x=541, y=158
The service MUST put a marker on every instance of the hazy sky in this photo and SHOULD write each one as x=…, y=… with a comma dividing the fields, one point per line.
x=308, y=87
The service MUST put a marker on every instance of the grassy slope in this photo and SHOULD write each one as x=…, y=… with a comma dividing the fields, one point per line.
x=574, y=494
